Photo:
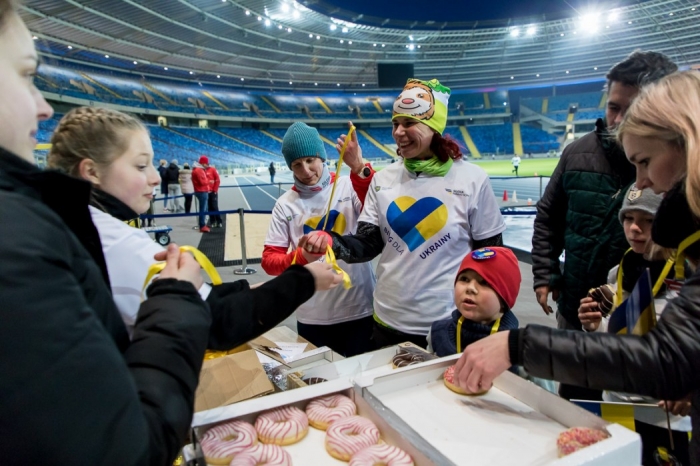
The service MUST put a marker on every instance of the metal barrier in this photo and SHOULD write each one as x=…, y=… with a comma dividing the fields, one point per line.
x=244, y=270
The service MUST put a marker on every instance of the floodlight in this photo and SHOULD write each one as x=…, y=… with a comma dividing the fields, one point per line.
x=333, y=27
x=267, y=22
x=515, y=32
x=531, y=30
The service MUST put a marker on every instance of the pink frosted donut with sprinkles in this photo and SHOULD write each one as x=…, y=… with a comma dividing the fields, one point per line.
x=263, y=455
x=221, y=443
x=282, y=426
x=383, y=454
x=347, y=436
x=325, y=410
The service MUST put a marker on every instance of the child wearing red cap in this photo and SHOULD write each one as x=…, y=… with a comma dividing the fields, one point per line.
x=485, y=290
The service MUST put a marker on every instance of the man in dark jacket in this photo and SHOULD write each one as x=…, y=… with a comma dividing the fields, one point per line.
x=578, y=211
x=172, y=180
x=162, y=170
x=74, y=388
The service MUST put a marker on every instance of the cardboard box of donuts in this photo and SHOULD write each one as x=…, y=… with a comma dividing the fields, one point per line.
x=409, y=416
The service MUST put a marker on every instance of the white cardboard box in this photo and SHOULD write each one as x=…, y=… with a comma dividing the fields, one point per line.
x=310, y=450
x=516, y=422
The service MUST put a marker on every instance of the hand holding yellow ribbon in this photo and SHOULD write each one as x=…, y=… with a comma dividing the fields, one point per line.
x=201, y=259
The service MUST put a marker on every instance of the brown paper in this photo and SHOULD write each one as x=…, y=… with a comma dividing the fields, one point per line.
x=230, y=379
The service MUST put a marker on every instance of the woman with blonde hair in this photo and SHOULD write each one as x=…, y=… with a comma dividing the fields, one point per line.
x=74, y=389
x=661, y=137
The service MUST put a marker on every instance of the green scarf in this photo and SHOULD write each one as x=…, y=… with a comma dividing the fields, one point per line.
x=432, y=166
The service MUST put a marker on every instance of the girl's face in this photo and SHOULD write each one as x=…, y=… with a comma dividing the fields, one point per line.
x=21, y=104
x=308, y=170
x=659, y=164
x=637, y=226
x=131, y=177
x=412, y=137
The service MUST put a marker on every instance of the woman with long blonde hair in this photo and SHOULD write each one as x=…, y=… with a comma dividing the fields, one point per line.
x=661, y=137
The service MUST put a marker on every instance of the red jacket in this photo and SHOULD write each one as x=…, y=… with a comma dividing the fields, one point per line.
x=199, y=180
x=213, y=178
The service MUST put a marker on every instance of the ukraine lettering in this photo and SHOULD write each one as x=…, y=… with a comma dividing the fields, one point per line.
x=435, y=246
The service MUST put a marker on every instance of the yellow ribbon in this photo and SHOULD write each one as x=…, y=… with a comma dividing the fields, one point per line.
x=199, y=256
x=330, y=256
x=494, y=329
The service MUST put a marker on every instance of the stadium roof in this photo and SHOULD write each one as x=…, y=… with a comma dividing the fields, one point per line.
x=283, y=45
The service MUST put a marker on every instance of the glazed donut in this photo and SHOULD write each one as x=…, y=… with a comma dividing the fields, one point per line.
x=282, y=426
x=384, y=454
x=574, y=439
x=328, y=409
x=347, y=436
x=272, y=455
x=223, y=442
x=449, y=383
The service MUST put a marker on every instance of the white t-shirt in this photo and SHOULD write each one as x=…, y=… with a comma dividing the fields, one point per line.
x=428, y=223
x=128, y=253
x=515, y=161
x=294, y=216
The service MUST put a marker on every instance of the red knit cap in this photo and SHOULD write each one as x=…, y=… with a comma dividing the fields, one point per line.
x=499, y=267
x=204, y=160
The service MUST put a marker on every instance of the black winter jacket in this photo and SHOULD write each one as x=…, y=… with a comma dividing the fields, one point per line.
x=665, y=363
x=171, y=175
x=578, y=214
x=74, y=389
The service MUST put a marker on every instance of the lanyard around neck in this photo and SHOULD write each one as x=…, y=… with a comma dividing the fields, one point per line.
x=494, y=329
x=678, y=259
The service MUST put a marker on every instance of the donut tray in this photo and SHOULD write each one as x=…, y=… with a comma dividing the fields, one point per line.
x=311, y=449
x=516, y=422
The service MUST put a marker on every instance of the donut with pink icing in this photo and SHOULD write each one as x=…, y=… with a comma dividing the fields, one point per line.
x=282, y=426
x=449, y=379
x=384, y=454
x=346, y=437
x=221, y=443
x=325, y=410
x=263, y=455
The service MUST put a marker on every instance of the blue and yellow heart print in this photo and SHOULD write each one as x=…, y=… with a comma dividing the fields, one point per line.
x=415, y=221
x=336, y=223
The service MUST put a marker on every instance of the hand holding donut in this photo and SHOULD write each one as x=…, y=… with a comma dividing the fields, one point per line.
x=481, y=362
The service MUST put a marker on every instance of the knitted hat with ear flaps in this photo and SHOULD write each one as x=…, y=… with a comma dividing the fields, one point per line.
x=499, y=267
x=425, y=101
x=301, y=140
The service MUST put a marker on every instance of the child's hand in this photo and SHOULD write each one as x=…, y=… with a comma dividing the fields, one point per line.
x=589, y=314
x=677, y=408
x=604, y=296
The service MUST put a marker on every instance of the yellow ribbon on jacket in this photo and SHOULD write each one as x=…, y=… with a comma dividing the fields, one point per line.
x=199, y=256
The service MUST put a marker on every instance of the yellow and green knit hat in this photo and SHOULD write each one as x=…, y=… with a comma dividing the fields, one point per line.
x=425, y=101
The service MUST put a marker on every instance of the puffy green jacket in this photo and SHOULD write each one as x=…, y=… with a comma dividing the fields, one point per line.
x=578, y=214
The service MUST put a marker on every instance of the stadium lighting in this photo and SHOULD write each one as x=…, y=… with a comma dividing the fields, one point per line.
x=279, y=26
x=531, y=30
x=333, y=27
x=590, y=22
x=259, y=18
x=411, y=46
x=191, y=72
x=318, y=37
x=567, y=71
x=629, y=22
x=363, y=84
x=70, y=47
x=285, y=7
x=106, y=56
x=595, y=68
x=315, y=84
x=34, y=37
x=338, y=84
x=670, y=14
x=290, y=82
x=267, y=22
x=311, y=36
x=289, y=29
x=614, y=16
x=512, y=77
x=561, y=35
x=247, y=13
x=410, y=37
x=418, y=46
x=242, y=79
x=165, y=68
x=505, y=103
x=135, y=62
x=374, y=45
x=295, y=14
x=537, y=75
x=692, y=9
x=342, y=41
x=218, y=76
x=383, y=45
x=344, y=30
x=515, y=32
x=350, y=42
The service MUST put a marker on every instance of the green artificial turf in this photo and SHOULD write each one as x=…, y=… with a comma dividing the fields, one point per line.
x=528, y=167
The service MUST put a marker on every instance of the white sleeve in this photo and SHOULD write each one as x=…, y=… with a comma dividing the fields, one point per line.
x=128, y=261
x=485, y=219
x=278, y=233
x=370, y=213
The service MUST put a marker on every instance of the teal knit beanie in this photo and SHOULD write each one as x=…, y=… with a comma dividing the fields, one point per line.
x=301, y=140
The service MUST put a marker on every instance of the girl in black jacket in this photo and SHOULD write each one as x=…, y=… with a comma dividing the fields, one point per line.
x=74, y=389
x=661, y=138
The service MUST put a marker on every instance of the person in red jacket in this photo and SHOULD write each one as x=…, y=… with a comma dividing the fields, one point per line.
x=201, y=190
x=213, y=202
